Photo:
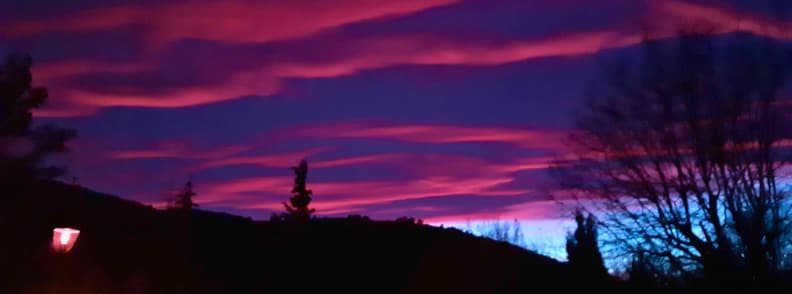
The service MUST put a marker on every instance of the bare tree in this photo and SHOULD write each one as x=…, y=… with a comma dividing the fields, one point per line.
x=499, y=230
x=682, y=152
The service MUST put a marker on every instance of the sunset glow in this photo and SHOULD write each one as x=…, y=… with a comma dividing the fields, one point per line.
x=444, y=110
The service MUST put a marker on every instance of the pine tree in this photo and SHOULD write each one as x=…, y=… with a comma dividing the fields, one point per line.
x=183, y=199
x=24, y=147
x=583, y=251
x=301, y=197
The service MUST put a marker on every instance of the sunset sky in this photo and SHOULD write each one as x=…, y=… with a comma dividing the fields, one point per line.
x=438, y=109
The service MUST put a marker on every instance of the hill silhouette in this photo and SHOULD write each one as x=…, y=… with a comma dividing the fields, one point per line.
x=128, y=247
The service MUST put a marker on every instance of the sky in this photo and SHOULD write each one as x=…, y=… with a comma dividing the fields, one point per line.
x=445, y=110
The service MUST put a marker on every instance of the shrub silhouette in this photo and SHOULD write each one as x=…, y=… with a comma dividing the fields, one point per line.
x=409, y=220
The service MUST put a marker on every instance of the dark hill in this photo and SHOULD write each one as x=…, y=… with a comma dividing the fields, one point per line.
x=127, y=247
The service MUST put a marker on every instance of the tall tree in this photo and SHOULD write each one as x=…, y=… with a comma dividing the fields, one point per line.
x=682, y=151
x=184, y=199
x=301, y=197
x=582, y=248
x=24, y=149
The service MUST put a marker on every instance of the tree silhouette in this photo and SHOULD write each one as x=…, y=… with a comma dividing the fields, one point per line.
x=183, y=199
x=301, y=197
x=500, y=230
x=24, y=148
x=582, y=248
x=640, y=273
x=682, y=150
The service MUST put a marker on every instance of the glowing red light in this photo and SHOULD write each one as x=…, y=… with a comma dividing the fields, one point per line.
x=63, y=239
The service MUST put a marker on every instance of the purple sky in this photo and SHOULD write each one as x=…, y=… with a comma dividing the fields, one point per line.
x=439, y=109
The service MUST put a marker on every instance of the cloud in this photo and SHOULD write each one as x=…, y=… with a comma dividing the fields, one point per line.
x=178, y=150
x=727, y=20
x=227, y=21
x=359, y=160
x=287, y=159
x=335, y=195
x=240, y=86
x=65, y=111
x=55, y=70
x=528, y=210
x=525, y=138
x=427, y=176
x=225, y=73
x=417, y=49
x=416, y=175
x=62, y=101
x=433, y=164
x=263, y=76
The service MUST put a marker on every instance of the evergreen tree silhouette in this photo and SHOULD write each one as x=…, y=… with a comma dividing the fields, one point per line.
x=23, y=147
x=183, y=199
x=301, y=197
x=582, y=249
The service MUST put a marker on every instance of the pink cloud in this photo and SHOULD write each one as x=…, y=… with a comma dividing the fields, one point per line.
x=342, y=195
x=380, y=52
x=244, y=84
x=229, y=21
x=243, y=22
x=51, y=72
x=479, y=178
x=62, y=101
x=91, y=20
x=233, y=189
x=727, y=20
x=270, y=160
x=76, y=99
x=526, y=138
x=523, y=164
x=65, y=111
x=177, y=149
x=357, y=160
x=468, y=166
x=361, y=54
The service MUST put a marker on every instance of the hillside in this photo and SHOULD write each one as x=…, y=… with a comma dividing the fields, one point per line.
x=127, y=247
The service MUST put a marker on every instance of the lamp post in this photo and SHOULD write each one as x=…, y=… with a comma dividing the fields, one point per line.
x=63, y=239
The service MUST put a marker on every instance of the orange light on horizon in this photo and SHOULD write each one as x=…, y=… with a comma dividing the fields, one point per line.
x=63, y=239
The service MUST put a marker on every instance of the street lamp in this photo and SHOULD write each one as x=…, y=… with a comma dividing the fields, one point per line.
x=63, y=239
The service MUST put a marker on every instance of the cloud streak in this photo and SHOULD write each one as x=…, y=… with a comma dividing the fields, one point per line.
x=227, y=21
x=176, y=150
x=725, y=19
x=355, y=55
x=241, y=23
x=331, y=196
x=443, y=134
x=424, y=176
x=269, y=160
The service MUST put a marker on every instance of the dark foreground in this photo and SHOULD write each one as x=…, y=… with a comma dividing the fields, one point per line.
x=126, y=247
